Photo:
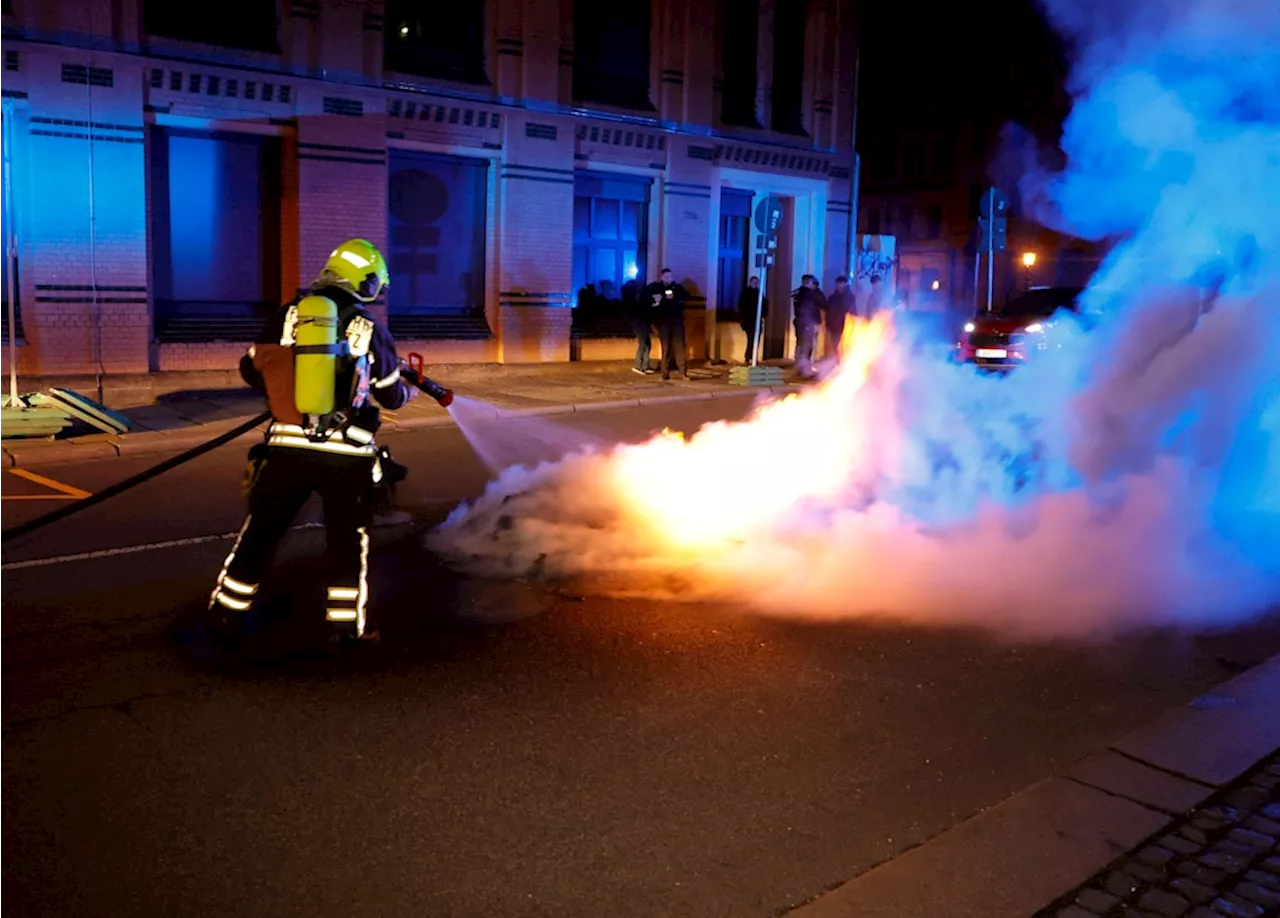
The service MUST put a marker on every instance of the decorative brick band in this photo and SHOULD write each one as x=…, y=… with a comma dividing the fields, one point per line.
x=687, y=190
x=538, y=174
x=518, y=298
x=333, y=153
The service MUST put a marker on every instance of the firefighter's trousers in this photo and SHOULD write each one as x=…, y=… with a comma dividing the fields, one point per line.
x=288, y=477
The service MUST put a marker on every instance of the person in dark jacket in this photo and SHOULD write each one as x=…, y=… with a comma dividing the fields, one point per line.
x=333, y=455
x=810, y=304
x=749, y=301
x=639, y=312
x=667, y=299
x=840, y=305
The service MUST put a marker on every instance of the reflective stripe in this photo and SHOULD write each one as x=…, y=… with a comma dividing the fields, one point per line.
x=359, y=594
x=279, y=427
x=341, y=449
x=389, y=379
x=239, y=605
x=360, y=439
x=226, y=565
x=362, y=597
x=235, y=586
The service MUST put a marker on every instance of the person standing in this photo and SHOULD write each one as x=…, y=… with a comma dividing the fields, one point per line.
x=749, y=301
x=640, y=315
x=326, y=364
x=668, y=300
x=809, y=305
x=840, y=305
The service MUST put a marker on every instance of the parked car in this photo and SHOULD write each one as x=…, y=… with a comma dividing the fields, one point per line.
x=1009, y=336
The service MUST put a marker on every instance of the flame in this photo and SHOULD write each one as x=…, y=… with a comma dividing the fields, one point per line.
x=708, y=491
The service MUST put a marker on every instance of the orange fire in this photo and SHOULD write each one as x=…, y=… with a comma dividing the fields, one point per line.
x=731, y=479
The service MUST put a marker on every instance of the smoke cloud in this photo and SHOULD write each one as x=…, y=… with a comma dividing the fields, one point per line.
x=1128, y=476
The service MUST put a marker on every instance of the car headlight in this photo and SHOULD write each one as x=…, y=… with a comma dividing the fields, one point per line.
x=969, y=326
x=1035, y=327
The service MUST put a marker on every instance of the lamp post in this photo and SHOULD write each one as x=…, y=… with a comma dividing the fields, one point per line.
x=1028, y=262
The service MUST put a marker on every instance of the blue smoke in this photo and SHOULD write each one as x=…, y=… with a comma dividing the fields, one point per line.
x=1173, y=149
x=1128, y=475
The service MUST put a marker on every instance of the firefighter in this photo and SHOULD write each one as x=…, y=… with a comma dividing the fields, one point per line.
x=326, y=365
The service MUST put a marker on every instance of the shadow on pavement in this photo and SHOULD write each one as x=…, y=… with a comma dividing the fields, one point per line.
x=421, y=609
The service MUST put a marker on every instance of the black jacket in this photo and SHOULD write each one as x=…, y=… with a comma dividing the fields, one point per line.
x=841, y=303
x=810, y=305
x=668, y=307
x=747, y=302
x=386, y=386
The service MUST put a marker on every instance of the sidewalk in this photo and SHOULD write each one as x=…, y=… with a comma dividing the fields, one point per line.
x=182, y=420
x=1179, y=819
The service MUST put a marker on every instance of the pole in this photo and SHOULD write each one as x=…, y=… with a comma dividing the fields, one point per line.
x=855, y=165
x=121, y=486
x=764, y=276
x=977, y=260
x=93, y=254
x=11, y=260
x=991, y=255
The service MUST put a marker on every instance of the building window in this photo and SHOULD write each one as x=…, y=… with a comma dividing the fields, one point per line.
x=935, y=221
x=940, y=159
x=440, y=40
x=735, y=240
x=871, y=221
x=10, y=243
x=610, y=232
x=249, y=25
x=789, y=56
x=437, y=209
x=739, y=54
x=910, y=161
x=611, y=53
x=882, y=163
x=215, y=234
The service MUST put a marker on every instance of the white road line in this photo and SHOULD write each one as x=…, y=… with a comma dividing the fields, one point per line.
x=150, y=546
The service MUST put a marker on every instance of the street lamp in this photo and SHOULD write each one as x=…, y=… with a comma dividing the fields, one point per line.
x=1028, y=262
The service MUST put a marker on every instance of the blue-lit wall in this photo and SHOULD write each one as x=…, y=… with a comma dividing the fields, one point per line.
x=146, y=244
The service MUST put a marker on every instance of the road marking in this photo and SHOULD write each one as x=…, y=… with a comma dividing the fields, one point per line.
x=149, y=546
x=68, y=492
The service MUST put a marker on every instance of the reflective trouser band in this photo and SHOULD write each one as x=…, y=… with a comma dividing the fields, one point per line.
x=227, y=591
x=223, y=598
x=336, y=447
x=347, y=604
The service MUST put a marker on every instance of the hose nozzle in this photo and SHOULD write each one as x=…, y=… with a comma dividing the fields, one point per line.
x=438, y=392
x=412, y=371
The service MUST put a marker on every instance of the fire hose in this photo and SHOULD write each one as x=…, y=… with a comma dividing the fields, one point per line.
x=411, y=372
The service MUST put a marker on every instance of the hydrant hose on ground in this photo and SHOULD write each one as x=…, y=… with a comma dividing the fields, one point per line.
x=412, y=372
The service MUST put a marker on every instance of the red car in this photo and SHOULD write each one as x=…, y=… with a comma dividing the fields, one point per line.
x=1009, y=336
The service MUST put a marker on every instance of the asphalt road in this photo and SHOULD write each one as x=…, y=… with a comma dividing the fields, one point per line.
x=505, y=750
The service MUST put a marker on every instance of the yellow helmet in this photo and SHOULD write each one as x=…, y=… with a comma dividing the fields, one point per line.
x=362, y=266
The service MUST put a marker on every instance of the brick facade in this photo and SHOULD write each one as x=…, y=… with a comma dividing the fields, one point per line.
x=84, y=85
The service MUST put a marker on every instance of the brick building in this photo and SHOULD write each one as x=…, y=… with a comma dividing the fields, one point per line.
x=178, y=170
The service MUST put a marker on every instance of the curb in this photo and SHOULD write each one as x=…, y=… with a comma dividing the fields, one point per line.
x=1028, y=851
x=20, y=454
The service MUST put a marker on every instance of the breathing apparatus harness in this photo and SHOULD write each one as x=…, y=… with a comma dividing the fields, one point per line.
x=311, y=327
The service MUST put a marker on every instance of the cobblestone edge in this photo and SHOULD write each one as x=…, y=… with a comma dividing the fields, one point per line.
x=1219, y=860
